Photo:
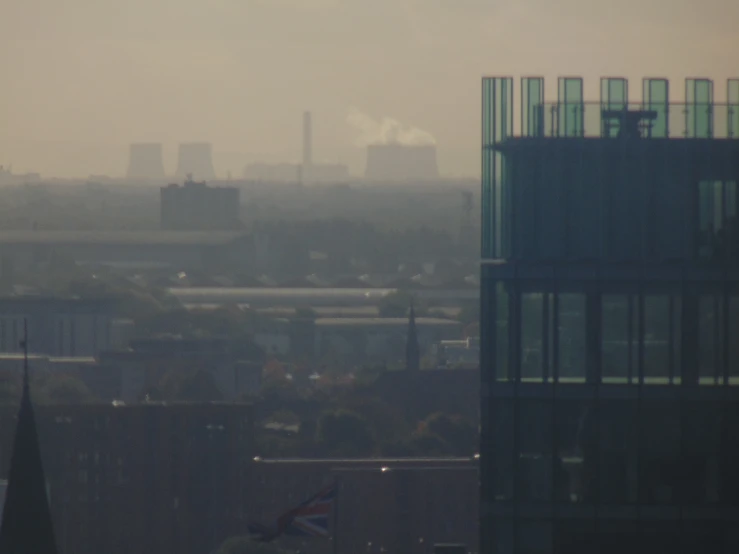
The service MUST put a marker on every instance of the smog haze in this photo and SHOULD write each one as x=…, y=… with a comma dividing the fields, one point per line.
x=82, y=79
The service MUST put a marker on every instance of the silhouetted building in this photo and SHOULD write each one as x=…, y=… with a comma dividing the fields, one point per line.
x=195, y=158
x=412, y=349
x=26, y=518
x=59, y=326
x=149, y=477
x=145, y=162
x=400, y=162
x=610, y=311
x=196, y=207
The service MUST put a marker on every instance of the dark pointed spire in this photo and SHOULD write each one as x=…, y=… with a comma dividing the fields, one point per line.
x=26, y=525
x=412, y=350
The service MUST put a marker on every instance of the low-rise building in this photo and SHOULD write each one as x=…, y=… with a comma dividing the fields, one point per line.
x=383, y=505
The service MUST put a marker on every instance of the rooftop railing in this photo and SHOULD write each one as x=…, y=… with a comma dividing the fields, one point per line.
x=597, y=120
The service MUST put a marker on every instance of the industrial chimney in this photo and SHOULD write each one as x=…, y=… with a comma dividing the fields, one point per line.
x=307, y=140
x=145, y=161
x=196, y=158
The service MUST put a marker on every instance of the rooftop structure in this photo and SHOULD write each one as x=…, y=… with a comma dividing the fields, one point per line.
x=609, y=302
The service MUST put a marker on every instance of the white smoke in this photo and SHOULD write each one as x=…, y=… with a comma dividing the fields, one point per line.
x=386, y=131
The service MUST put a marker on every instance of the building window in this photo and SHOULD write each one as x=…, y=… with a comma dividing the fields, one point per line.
x=532, y=321
x=618, y=436
x=502, y=448
x=575, y=436
x=534, y=537
x=733, y=325
x=571, y=334
x=502, y=367
x=618, y=327
x=712, y=339
x=660, y=449
x=701, y=451
x=659, y=332
x=534, y=440
x=718, y=227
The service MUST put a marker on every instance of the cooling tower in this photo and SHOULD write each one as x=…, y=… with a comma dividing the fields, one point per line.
x=399, y=162
x=145, y=161
x=196, y=158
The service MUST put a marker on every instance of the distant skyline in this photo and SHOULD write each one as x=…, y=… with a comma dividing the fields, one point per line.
x=83, y=79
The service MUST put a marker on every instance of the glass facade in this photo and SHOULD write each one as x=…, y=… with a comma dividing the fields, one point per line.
x=609, y=351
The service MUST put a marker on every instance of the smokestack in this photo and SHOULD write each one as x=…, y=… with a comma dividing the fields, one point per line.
x=196, y=158
x=307, y=140
x=145, y=161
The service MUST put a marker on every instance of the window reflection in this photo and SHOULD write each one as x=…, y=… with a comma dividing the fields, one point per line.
x=503, y=449
x=659, y=463
x=534, y=437
x=576, y=443
x=618, y=331
x=534, y=537
x=733, y=343
x=532, y=320
x=502, y=370
x=618, y=452
x=699, y=470
x=657, y=335
x=572, y=354
x=711, y=339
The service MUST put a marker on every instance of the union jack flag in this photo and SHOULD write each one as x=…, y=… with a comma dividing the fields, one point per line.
x=309, y=519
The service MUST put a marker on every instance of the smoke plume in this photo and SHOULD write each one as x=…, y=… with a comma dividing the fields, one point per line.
x=386, y=131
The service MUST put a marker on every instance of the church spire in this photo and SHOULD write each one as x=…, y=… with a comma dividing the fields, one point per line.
x=26, y=525
x=412, y=350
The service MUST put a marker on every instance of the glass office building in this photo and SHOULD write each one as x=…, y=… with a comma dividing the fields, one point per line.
x=610, y=319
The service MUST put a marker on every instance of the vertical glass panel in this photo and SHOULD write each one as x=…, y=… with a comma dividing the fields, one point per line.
x=732, y=99
x=570, y=107
x=532, y=320
x=733, y=343
x=614, y=96
x=497, y=125
x=534, y=537
x=711, y=339
x=503, y=449
x=502, y=364
x=488, y=166
x=700, y=452
x=534, y=439
x=659, y=472
x=656, y=339
x=730, y=456
x=571, y=337
x=619, y=346
x=699, y=108
x=502, y=535
x=576, y=454
x=532, y=106
x=619, y=442
x=655, y=95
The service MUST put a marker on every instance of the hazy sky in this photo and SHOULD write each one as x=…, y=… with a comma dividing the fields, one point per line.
x=83, y=78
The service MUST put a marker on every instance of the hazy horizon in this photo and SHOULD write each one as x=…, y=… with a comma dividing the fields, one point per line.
x=84, y=79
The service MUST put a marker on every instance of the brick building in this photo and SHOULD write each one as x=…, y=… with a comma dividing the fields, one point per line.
x=142, y=478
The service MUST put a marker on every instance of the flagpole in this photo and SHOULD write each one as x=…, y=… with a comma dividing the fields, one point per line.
x=335, y=522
